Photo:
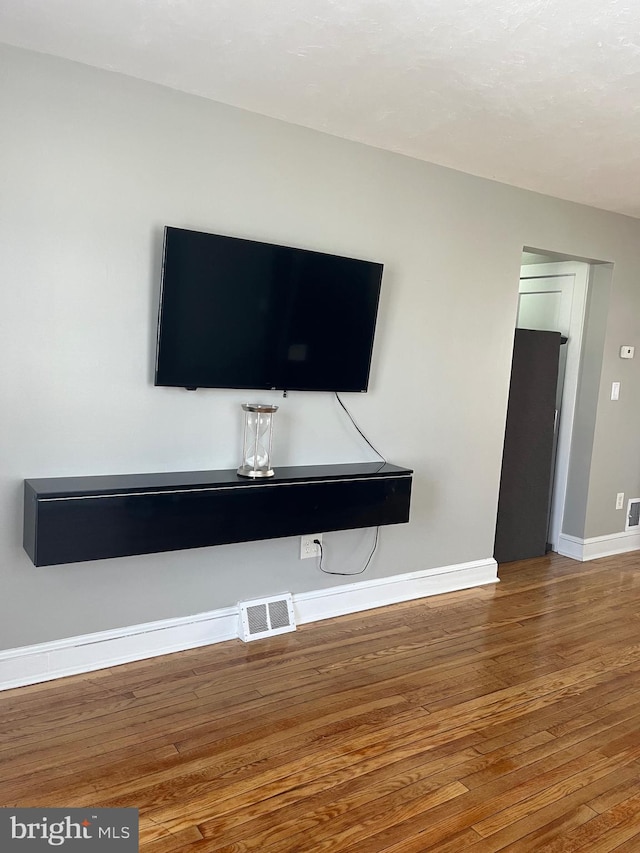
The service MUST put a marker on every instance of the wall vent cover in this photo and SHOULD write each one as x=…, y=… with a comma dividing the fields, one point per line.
x=266, y=617
x=633, y=514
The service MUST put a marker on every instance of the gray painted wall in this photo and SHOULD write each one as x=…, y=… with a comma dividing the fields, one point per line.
x=582, y=445
x=615, y=463
x=93, y=165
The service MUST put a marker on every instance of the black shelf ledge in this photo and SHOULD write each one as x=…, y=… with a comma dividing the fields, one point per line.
x=76, y=519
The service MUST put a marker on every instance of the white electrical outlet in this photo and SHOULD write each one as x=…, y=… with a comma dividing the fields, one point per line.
x=308, y=547
x=620, y=500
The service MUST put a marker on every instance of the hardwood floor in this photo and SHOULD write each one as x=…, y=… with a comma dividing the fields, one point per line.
x=500, y=718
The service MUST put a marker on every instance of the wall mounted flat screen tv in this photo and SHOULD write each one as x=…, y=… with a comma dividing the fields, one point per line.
x=236, y=313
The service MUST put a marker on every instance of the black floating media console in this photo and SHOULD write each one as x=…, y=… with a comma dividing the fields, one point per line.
x=72, y=519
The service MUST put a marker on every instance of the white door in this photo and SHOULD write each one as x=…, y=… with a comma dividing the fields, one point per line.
x=553, y=298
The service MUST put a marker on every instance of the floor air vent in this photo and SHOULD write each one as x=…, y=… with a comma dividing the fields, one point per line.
x=266, y=617
x=633, y=514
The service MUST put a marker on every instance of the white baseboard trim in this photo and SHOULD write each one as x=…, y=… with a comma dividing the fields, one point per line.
x=89, y=652
x=570, y=546
x=598, y=546
x=365, y=595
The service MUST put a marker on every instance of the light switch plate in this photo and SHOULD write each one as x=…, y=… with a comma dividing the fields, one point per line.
x=627, y=352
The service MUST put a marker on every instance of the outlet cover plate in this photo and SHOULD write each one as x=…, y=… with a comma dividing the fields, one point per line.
x=308, y=548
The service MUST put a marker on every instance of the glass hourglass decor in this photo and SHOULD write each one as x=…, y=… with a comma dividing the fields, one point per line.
x=256, y=444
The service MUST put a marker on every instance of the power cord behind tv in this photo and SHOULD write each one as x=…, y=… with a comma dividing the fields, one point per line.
x=347, y=574
x=351, y=418
x=375, y=543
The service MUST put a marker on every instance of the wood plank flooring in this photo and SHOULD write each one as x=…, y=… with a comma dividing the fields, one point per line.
x=500, y=718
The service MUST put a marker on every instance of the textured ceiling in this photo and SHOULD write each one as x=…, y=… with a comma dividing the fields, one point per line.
x=542, y=94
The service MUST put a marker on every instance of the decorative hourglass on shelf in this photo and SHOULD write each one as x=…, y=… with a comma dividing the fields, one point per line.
x=256, y=445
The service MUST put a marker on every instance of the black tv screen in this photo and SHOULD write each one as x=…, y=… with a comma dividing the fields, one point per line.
x=237, y=313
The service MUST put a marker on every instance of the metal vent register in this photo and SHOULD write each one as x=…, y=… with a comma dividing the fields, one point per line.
x=633, y=514
x=266, y=617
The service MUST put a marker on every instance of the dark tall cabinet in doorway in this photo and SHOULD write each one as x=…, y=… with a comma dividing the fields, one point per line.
x=527, y=462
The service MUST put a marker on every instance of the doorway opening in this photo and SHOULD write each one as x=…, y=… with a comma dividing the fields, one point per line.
x=552, y=303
